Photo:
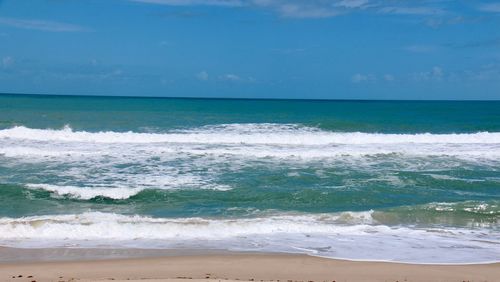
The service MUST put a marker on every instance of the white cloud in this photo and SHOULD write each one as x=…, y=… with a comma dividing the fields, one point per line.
x=227, y=3
x=412, y=10
x=420, y=48
x=230, y=77
x=203, y=75
x=166, y=81
x=111, y=74
x=389, y=77
x=303, y=9
x=42, y=25
x=74, y=74
x=353, y=3
x=361, y=78
x=303, y=12
x=165, y=43
x=358, y=78
x=436, y=74
x=307, y=9
x=436, y=22
x=490, y=72
x=490, y=7
x=7, y=61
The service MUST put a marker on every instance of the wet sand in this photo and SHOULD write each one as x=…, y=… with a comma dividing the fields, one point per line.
x=222, y=266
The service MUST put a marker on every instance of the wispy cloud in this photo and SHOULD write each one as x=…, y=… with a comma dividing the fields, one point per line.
x=491, y=42
x=402, y=10
x=100, y=75
x=7, y=61
x=389, y=77
x=490, y=72
x=111, y=74
x=485, y=73
x=42, y=25
x=310, y=9
x=353, y=3
x=227, y=3
x=231, y=77
x=303, y=9
x=202, y=75
x=435, y=74
x=165, y=43
x=358, y=78
x=436, y=22
x=490, y=7
x=420, y=48
x=182, y=14
x=300, y=11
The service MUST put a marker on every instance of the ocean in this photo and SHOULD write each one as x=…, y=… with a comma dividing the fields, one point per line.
x=407, y=181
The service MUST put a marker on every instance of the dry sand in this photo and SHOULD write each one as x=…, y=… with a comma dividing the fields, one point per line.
x=240, y=266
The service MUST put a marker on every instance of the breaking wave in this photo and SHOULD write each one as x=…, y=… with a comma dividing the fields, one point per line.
x=248, y=134
x=321, y=234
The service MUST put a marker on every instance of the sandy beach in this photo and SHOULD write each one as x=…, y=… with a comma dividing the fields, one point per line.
x=229, y=267
x=250, y=140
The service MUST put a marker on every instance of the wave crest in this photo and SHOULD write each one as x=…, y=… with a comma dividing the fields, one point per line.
x=248, y=134
x=321, y=235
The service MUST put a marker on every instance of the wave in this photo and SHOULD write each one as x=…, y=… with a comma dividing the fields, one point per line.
x=116, y=193
x=87, y=193
x=248, y=141
x=322, y=234
x=248, y=134
x=470, y=214
x=91, y=225
x=466, y=214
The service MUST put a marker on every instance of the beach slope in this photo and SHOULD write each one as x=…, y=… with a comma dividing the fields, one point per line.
x=242, y=267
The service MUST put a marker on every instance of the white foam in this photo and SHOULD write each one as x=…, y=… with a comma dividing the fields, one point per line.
x=96, y=225
x=117, y=193
x=119, y=165
x=323, y=235
x=242, y=140
x=86, y=193
x=248, y=134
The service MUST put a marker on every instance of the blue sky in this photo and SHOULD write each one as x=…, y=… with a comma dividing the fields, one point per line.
x=327, y=49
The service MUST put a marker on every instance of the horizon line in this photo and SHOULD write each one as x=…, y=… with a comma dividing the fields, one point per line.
x=245, y=98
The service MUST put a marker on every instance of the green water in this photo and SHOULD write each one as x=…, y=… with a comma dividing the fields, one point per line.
x=408, y=164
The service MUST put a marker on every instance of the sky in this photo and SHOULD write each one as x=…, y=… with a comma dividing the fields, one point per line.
x=305, y=49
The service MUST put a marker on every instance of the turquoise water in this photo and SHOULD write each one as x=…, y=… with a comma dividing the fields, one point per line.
x=377, y=180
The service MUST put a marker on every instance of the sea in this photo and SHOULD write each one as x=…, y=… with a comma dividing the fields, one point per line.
x=405, y=181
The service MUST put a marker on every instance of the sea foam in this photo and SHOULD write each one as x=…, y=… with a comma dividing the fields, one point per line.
x=243, y=140
x=248, y=134
x=87, y=193
x=322, y=234
x=119, y=165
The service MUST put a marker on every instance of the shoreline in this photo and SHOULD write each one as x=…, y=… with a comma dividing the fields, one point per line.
x=211, y=265
x=70, y=254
